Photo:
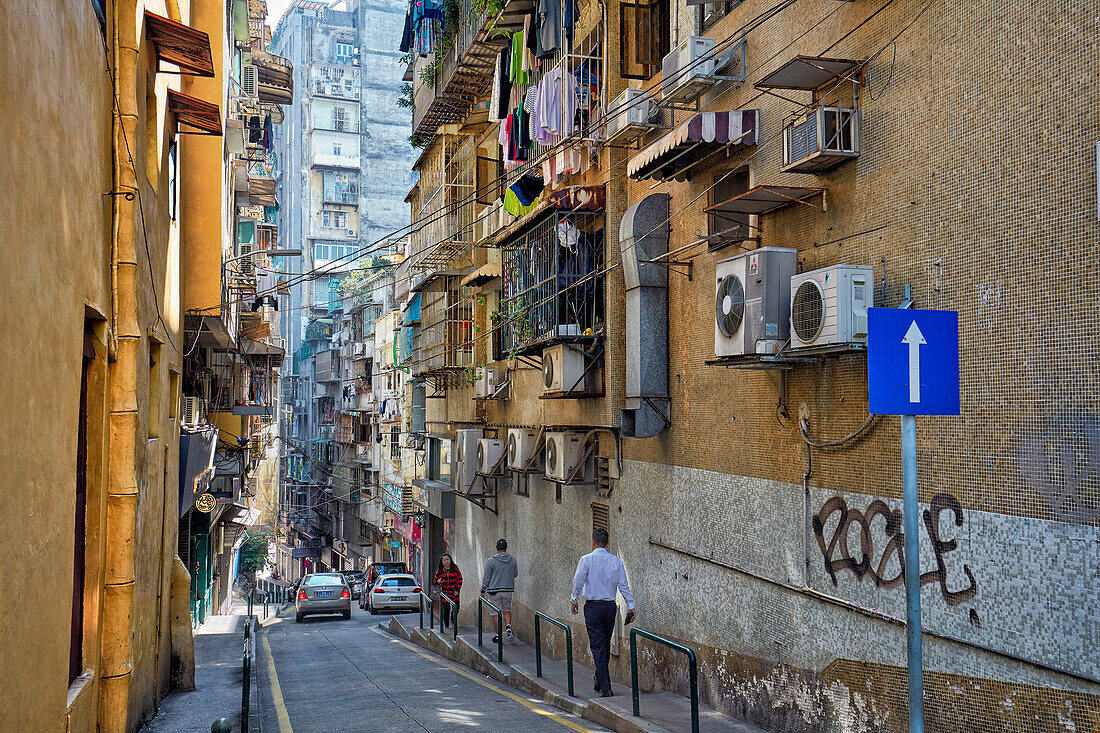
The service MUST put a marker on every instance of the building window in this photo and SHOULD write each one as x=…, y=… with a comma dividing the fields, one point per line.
x=339, y=119
x=76, y=632
x=320, y=252
x=173, y=185
x=344, y=52
x=714, y=12
x=337, y=149
x=395, y=443
x=643, y=37
x=728, y=227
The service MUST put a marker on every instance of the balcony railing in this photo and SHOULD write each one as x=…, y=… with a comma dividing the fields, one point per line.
x=465, y=73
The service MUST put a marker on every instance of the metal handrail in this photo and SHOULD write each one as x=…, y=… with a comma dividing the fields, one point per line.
x=568, y=648
x=693, y=674
x=481, y=602
x=454, y=613
x=246, y=673
x=431, y=611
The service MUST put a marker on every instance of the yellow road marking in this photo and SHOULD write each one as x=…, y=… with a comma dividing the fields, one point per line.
x=484, y=683
x=277, y=692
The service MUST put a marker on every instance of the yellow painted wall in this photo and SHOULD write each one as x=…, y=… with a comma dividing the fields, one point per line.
x=60, y=234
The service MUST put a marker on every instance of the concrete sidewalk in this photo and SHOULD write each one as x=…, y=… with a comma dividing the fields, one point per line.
x=219, y=651
x=661, y=712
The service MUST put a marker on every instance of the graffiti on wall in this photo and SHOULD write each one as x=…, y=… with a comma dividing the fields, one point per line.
x=1061, y=461
x=880, y=544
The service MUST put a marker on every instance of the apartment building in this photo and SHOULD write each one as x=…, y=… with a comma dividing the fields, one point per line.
x=344, y=171
x=234, y=256
x=645, y=309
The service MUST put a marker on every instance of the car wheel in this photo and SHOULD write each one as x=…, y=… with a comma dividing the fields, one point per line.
x=347, y=614
x=372, y=610
x=298, y=617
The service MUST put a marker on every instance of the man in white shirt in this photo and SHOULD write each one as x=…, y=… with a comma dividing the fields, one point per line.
x=599, y=574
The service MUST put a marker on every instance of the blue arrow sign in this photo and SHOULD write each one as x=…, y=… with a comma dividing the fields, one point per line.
x=913, y=362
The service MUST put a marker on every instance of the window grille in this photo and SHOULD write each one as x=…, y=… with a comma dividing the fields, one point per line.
x=446, y=333
x=553, y=282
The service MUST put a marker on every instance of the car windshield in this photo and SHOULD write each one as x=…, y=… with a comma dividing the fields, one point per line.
x=324, y=580
x=398, y=582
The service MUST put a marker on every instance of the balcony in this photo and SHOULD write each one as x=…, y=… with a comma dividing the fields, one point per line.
x=466, y=72
x=330, y=160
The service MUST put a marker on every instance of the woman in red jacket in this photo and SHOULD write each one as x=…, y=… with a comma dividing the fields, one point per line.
x=449, y=580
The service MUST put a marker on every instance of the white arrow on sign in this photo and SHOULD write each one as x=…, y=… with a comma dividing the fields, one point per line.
x=914, y=338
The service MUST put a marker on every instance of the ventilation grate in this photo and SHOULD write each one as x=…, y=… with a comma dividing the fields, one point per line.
x=600, y=517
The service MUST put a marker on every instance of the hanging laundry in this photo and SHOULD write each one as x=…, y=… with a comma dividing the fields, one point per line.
x=513, y=205
x=494, y=97
x=267, y=139
x=529, y=99
x=549, y=30
x=407, y=32
x=255, y=130
x=505, y=83
x=527, y=188
x=517, y=73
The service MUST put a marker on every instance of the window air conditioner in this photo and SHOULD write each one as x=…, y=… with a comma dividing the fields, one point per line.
x=250, y=83
x=631, y=111
x=688, y=69
x=489, y=452
x=360, y=348
x=194, y=412
x=464, y=458
x=521, y=447
x=562, y=370
x=563, y=453
x=829, y=306
x=823, y=139
x=752, y=301
x=486, y=385
x=245, y=263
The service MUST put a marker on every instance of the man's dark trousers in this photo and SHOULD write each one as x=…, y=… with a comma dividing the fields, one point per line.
x=599, y=619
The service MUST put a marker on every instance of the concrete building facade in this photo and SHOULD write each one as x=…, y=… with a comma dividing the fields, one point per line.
x=754, y=499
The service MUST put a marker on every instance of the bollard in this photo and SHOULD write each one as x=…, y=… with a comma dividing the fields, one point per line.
x=221, y=725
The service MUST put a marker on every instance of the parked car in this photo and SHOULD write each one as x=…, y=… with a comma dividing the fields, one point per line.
x=322, y=593
x=397, y=592
x=355, y=581
x=378, y=569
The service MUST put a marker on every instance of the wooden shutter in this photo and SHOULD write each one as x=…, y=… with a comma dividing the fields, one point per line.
x=643, y=37
x=727, y=227
x=490, y=173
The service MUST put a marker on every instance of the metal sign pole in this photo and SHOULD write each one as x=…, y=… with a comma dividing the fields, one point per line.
x=910, y=511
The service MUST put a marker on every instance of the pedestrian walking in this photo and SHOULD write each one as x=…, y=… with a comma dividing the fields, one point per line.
x=499, y=581
x=599, y=574
x=449, y=579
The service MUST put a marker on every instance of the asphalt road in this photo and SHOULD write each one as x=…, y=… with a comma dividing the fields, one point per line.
x=327, y=674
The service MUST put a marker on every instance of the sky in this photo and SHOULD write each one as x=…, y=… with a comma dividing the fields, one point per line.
x=275, y=10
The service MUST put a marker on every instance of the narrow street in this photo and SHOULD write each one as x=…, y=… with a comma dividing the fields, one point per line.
x=337, y=675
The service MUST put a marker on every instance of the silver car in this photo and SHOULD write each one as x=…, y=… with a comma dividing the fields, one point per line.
x=396, y=592
x=323, y=593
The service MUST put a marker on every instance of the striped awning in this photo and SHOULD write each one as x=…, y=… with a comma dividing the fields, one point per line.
x=694, y=142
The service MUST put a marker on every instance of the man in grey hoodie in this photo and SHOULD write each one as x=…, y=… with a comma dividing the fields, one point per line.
x=499, y=581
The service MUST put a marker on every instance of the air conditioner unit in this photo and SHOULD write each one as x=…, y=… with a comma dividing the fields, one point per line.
x=388, y=522
x=489, y=452
x=360, y=349
x=250, y=82
x=464, y=457
x=752, y=302
x=194, y=412
x=829, y=306
x=563, y=453
x=245, y=263
x=688, y=69
x=486, y=385
x=562, y=370
x=823, y=139
x=631, y=111
x=521, y=447
x=351, y=232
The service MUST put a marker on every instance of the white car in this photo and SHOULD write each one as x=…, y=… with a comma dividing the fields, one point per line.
x=396, y=592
